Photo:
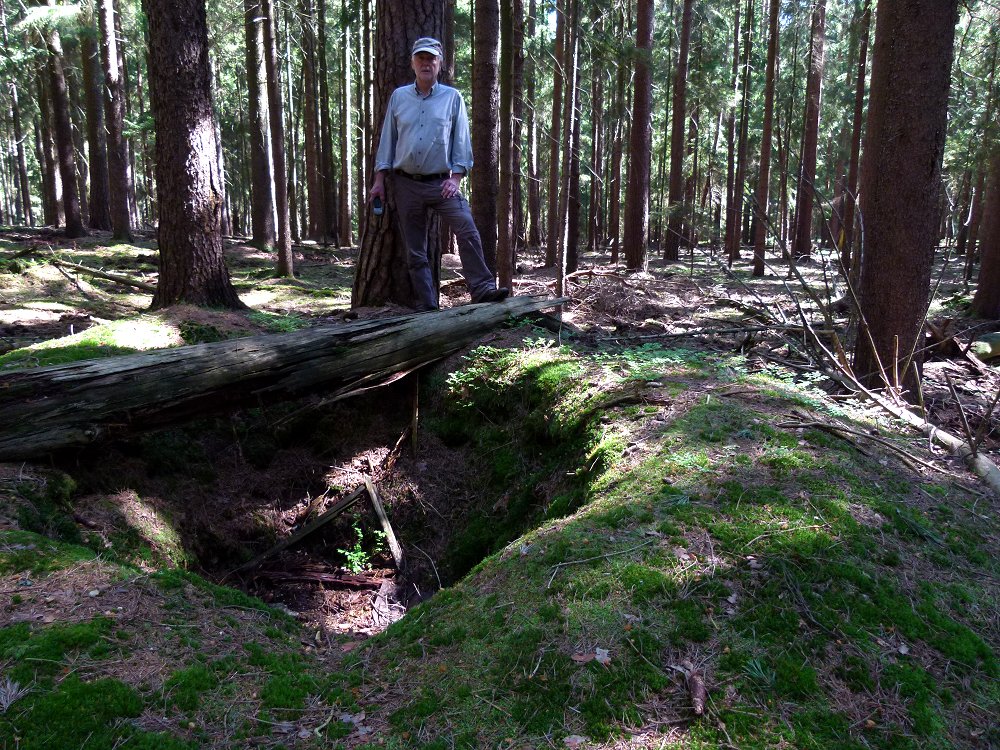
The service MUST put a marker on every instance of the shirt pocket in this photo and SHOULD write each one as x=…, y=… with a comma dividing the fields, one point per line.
x=442, y=129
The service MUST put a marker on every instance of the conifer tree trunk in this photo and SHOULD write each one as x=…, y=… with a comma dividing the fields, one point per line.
x=505, y=226
x=534, y=186
x=901, y=181
x=93, y=77
x=986, y=302
x=14, y=112
x=46, y=157
x=63, y=132
x=328, y=179
x=739, y=176
x=553, y=227
x=484, y=179
x=114, y=117
x=261, y=178
x=191, y=264
x=853, y=169
x=671, y=248
x=312, y=154
x=346, y=192
x=614, y=196
x=571, y=153
x=285, y=264
x=731, y=198
x=595, y=212
x=640, y=144
x=764, y=179
x=805, y=195
x=78, y=128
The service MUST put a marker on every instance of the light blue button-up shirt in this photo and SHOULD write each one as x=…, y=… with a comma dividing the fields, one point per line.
x=425, y=134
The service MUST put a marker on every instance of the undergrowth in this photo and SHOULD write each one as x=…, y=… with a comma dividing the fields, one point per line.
x=646, y=521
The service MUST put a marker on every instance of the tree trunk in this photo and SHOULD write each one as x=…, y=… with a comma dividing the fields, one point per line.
x=63, y=132
x=598, y=123
x=553, y=225
x=50, y=408
x=14, y=111
x=739, y=177
x=640, y=144
x=381, y=274
x=346, y=192
x=764, y=179
x=310, y=123
x=191, y=263
x=614, y=196
x=100, y=207
x=986, y=302
x=261, y=178
x=734, y=82
x=571, y=153
x=114, y=111
x=51, y=179
x=484, y=178
x=78, y=128
x=531, y=103
x=327, y=173
x=505, y=217
x=851, y=194
x=805, y=194
x=285, y=265
x=675, y=200
x=900, y=183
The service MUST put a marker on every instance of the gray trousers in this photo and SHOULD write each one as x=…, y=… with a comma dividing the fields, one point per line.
x=412, y=199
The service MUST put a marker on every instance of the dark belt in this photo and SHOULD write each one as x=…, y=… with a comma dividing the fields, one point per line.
x=423, y=177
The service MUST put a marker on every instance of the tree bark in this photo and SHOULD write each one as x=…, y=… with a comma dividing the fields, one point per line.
x=505, y=217
x=484, y=179
x=534, y=186
x=675, y=200
x=50, y=408
x=114, y=117
x=63, y=132
x=851, y=194
x=346, y=191
x=93, y=78
x=52, y=204
x=261, y=177
x=986, y=302
x=739, y=177
x=191, y=263
x=764, y=179
x=805, y=194
x=640, y=143
x=553, y=223
x=900, y=183
x=285, y=265
x=734, y=83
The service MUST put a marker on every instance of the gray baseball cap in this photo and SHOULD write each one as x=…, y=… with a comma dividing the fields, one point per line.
x=427, y=44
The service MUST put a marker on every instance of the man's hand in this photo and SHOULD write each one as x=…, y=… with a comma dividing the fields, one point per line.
x=378, y=187
x=449, y=188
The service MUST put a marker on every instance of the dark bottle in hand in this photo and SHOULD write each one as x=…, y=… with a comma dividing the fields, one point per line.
x=377, y=206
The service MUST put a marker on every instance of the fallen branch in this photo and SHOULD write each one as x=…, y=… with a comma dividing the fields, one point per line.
x=142, y=285
x=383, y=518
x=324, y=518
x=559, y=566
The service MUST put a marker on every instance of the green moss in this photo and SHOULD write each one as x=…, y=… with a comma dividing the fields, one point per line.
x=184, y=687
x=76, y=714
x=41, y=652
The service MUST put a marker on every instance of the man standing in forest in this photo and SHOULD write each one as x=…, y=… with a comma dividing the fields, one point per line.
x=426, y=147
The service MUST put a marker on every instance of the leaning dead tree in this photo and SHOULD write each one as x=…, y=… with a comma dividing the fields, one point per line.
x=50, y=408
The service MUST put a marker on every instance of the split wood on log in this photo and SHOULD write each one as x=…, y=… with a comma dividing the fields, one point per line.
x=49, y=408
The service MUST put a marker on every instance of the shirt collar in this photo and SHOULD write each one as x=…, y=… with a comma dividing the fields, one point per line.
x=420, y=94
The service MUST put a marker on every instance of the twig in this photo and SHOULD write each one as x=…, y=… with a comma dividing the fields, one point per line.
x=973, y=444
x=558, y=566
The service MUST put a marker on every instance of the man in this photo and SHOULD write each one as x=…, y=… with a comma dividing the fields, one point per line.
x=426, y=149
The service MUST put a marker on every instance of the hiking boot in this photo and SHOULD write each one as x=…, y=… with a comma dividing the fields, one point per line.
x=494, y=295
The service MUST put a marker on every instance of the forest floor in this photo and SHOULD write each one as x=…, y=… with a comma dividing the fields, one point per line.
x=657, y=525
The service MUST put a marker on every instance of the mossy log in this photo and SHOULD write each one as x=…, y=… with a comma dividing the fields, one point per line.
x=50, y=408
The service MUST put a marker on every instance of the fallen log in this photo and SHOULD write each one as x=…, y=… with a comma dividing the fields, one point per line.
x=49, y=408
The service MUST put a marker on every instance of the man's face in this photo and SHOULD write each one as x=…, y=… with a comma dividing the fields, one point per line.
x=426, y=66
